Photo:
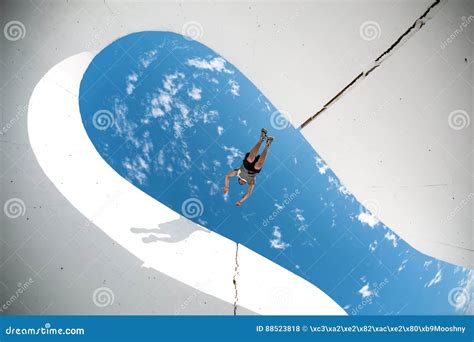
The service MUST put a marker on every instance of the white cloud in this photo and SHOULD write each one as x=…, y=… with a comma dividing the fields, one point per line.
x=159, y=103
x=365, y=291
x=162, y=101
x=123, y=126
x=136, y=169
x=143, y=164
x=267, y=105
x=300, y=218
x=148, y=58
x=334, y=182
x=226, y=197
x=184, y=113
x=147, y=145
x=391, y=237
x=215, y=64
x=234, y=153
x=170, y=85
x=368, y=218
x=437, y=278
x=156, y=111
x=373, y=246
x=210, y=116
x=195, y=93
x=277, y=241
x=243, y=122
x=321, y=165
x=161, y=158
x=131, y=80
x=343, y=190
x=402, y=265
x=203, y=167
x=234, y=87
x=220, y=130
x=166, y=101
x=178, y=129
x=213, y=189
x=186, y=161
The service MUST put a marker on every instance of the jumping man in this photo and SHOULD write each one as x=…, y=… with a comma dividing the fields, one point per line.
x=251, y=165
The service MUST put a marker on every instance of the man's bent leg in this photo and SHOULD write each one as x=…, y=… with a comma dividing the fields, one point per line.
x=253, y=152
x=263, y=156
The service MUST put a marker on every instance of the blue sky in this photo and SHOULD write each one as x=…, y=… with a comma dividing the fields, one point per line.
x=172, y=117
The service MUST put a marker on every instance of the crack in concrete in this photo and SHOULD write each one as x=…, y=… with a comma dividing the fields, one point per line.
x=234, y=279
x=410, y=32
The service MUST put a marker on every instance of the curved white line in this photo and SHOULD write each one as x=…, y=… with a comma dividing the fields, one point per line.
x=204, y=260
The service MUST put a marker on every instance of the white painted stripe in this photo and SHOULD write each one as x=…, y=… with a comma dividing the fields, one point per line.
x=202, y=259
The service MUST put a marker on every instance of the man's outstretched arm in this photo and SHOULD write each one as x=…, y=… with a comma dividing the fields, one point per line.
x=247, y=194
x=226, y=181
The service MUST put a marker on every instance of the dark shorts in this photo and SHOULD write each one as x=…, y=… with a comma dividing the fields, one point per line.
x=251, y=166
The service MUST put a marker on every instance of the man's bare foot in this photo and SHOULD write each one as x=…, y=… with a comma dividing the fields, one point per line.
x=238, y=203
